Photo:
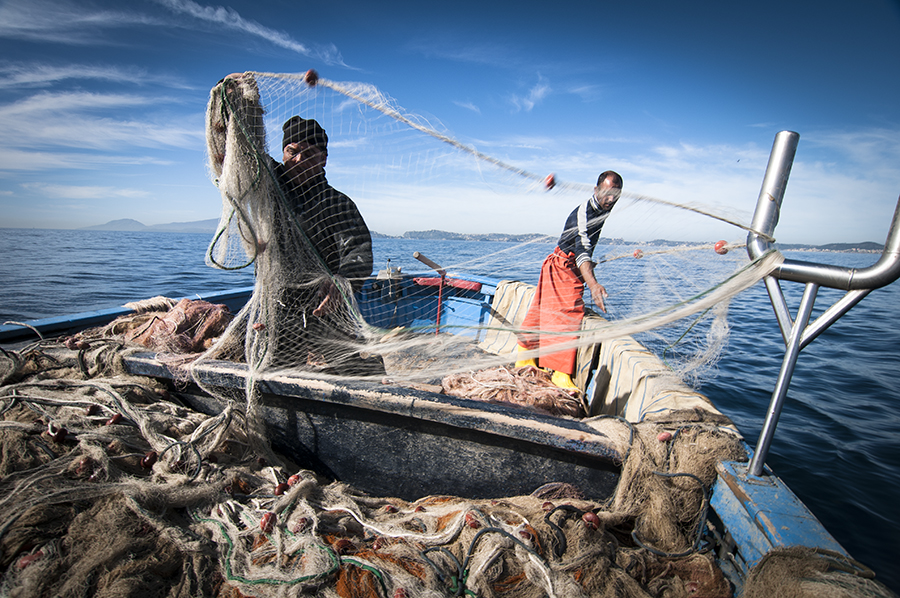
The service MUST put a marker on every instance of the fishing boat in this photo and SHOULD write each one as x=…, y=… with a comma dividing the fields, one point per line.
x=410, y=439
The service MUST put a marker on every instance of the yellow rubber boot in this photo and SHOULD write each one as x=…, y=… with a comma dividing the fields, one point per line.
x=525, y=362
x=563, y=380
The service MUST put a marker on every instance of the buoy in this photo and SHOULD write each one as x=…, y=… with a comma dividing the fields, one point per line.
x=114, y=419
x=311, y=77
x=721, y=247
x=294, y=479
x=550, y=181
x=664, y=436
x=591, y=521
x=390, y=509
x=281, y=489
x=57, y=434
x=149, y=459
x=638, y=254
x=267, y=523
x=472, y=521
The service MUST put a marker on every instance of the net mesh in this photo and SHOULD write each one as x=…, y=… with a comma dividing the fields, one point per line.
x=311, y=247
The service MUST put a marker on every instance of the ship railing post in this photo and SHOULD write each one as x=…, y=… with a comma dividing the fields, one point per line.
x=792, y=352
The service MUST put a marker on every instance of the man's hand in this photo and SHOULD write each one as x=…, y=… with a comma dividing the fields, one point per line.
x=598, y=294
x=328, y=292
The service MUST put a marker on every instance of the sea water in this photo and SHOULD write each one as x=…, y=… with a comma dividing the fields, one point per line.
x=837, y=444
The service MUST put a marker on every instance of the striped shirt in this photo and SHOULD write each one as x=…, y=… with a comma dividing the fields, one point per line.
x=582, y=230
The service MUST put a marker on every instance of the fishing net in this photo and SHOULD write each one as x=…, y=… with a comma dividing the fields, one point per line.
x=316, y=306
x=111, y=486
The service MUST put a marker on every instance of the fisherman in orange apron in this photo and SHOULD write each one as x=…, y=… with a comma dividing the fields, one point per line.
x=558, y=305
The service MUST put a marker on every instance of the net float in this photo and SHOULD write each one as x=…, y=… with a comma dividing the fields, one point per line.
x=149, y=459
x=721, y=247
x=472, y=521
x=550, y=181
x=267, y=523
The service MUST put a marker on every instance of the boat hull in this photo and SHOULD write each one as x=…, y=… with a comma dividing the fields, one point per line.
x=408, y=443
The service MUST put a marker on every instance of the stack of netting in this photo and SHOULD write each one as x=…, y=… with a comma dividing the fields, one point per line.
x=110, y=487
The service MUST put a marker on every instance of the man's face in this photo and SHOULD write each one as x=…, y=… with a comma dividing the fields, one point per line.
x=303, y=161
x=607, y=194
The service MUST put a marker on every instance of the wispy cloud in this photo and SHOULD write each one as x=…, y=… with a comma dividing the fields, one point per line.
x=79, y=192
x=20, y=161
x=89, y=121
x=78, y=23
x=62, y=22
x=586, y=92
x=532, y=98
x=448, y=47
x=231, y=19
x=468, y=106
x=37, y=75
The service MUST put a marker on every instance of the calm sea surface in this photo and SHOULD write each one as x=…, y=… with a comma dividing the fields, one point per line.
x=838, y=440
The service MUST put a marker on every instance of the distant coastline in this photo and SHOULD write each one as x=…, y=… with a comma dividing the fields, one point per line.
x=209, y=227
x=129, y=225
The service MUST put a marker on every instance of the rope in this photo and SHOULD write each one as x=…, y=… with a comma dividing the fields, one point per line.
x=384, y=108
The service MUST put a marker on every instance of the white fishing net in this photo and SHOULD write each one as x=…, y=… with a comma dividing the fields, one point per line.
x=309, y=242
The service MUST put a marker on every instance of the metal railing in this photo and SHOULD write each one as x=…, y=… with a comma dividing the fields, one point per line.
x=799, y=332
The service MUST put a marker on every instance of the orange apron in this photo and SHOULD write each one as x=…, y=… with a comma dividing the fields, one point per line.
x=558, y=306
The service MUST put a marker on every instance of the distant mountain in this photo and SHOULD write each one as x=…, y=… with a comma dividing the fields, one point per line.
x=129, y=225
x=209, y=227
x=125, y=224
x=440, y=235
x=864, y=247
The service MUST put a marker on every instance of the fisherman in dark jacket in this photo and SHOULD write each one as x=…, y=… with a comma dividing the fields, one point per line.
x=330, y=219
x=339, y=245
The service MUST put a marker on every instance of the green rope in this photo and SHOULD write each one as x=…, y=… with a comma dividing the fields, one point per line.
x=231, y=576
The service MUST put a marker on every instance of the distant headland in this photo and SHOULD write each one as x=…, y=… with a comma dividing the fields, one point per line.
x=209, y=227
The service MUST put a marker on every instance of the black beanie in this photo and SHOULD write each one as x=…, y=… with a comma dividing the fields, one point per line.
x=298, y=129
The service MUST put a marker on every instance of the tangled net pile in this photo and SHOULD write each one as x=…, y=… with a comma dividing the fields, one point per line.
x=112, y=488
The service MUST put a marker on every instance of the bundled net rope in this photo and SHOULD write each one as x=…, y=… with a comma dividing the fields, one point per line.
x=109, y=487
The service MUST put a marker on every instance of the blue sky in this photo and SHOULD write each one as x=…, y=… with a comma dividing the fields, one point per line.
x=103, y=102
